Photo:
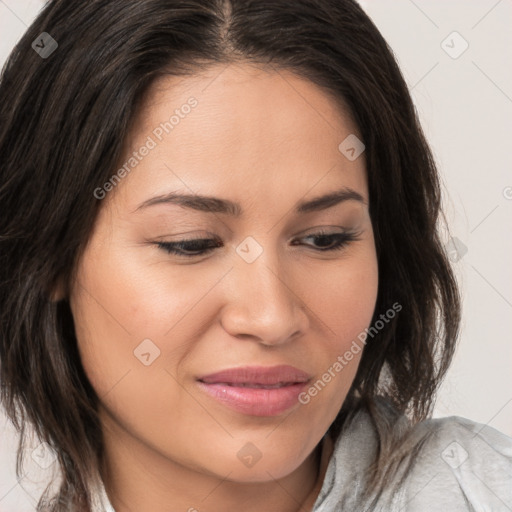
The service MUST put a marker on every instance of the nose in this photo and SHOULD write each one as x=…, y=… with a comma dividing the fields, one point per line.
x=264, y=304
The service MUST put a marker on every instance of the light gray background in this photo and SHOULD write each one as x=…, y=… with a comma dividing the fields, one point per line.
x=465, y=104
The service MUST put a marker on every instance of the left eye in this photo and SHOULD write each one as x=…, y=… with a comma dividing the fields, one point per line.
x=332, y=241
x=200, y=246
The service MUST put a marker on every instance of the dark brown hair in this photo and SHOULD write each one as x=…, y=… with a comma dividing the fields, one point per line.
x=63, y=122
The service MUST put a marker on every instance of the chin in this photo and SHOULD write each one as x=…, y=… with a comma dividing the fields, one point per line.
x=261, y=474
x=270, y=466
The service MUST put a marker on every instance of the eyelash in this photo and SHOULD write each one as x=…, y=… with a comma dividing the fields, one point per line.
x=341, y=240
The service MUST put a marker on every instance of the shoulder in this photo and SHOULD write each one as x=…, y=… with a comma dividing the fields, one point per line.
x=459, y=463
x=451, y=462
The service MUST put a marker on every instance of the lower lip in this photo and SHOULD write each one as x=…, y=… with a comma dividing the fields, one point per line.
x=255, y=401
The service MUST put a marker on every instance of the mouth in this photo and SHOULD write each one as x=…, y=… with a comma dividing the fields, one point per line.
x=253, y=385
x=256, y=391
x=257, y=376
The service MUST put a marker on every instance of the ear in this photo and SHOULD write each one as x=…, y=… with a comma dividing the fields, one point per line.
x=58, y=292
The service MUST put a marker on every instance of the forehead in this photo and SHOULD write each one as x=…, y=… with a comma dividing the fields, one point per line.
x=244, y=100
x=250, y=128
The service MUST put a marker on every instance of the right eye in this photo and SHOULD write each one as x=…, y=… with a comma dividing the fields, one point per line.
x=190, y=247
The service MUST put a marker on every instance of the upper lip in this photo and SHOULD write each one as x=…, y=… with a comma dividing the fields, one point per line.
x=266, y=375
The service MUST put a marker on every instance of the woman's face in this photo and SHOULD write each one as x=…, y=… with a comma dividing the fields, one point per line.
x=151, y=323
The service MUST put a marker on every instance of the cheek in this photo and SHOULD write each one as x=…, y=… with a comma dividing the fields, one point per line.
x=345, y=298
x=344, y=301
x=137, y=316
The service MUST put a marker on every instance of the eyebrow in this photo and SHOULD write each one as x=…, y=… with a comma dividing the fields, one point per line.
x=211, y=204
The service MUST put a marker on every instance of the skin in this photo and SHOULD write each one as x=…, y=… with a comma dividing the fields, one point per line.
x=266, y=140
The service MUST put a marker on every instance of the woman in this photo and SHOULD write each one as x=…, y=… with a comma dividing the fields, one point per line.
x=223, y=284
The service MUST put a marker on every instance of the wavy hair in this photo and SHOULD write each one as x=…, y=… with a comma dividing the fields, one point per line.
x=63, y=121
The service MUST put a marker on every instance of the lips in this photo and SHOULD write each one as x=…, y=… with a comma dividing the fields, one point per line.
x=256, y=390
x=258, y=376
